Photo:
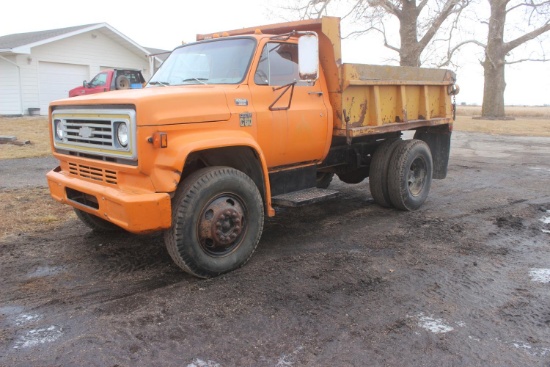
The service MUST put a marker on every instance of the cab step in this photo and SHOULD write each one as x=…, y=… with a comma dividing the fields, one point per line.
x=304, y=197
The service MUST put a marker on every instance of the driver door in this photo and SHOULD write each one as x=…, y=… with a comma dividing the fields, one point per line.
x=292, y=116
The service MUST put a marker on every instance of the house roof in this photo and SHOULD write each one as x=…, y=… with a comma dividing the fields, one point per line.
x=12, y=41
x=161, y=54
x=21, y=43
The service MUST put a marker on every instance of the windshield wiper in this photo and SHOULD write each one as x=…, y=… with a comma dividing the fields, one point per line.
x=200, y=80
x=156, y=82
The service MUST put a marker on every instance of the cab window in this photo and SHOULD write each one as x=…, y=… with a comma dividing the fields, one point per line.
x=99, y=80
x=278, y=65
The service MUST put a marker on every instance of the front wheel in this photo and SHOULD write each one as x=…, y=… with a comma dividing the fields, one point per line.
x=217, y=221
x=410, y=174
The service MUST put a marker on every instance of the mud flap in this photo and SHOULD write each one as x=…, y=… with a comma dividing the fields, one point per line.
x=439, y=140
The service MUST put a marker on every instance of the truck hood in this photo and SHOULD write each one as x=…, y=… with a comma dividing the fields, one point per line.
x=163, y=105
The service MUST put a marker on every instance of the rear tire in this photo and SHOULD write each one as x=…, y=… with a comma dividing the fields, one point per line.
x=378, y=176
x=217, y=221
x=410, y=174
x=95, y=223
x=324, y=179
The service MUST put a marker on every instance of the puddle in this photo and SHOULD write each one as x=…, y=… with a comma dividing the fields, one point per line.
x=200, y=363
x=540, y=169
x=11, y=310
x=540, y=275
x=436, y=326
x=36, y=337
x=43, y=271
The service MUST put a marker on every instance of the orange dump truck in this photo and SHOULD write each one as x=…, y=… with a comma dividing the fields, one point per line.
x=242, y=121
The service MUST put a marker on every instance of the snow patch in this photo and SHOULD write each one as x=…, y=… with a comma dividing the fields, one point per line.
x=436, y=326
x=534, y=351
x=39, y=336
x=545, y=220
x=288, y=359
x=26, y=318
x=540, y=275
x=200, y=363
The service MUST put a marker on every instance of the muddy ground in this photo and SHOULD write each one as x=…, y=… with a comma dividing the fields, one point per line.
x=465, y=281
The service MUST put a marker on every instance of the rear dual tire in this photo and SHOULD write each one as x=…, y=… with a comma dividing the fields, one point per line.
x=401, y=174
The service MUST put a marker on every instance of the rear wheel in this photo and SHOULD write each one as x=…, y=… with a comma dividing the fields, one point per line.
x=378, y=174
x=217, y=221
x=324, y=179
x=410, y=174
x=96, y=223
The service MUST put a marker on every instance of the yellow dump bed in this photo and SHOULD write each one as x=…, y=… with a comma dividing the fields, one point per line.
x=371, y=99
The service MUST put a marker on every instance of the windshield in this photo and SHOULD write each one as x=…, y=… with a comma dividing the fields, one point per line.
x=216, y=62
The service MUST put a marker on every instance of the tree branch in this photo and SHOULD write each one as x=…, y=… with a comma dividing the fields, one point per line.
x=509, y=46
x=524, y=60
x=451, y=52
x=387, y=5
x=447, y=10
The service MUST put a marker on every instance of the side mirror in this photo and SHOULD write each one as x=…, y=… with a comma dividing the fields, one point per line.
x=85, y=84
x=308, y=56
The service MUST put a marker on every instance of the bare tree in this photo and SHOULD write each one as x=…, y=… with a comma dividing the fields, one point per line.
x=527, y=20
x=497, y=49
x=418, y=21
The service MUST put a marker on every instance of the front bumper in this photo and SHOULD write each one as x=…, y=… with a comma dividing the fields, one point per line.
x=137, y=212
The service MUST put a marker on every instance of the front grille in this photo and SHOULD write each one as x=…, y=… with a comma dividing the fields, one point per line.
x=93, y=173
x=89, y=132
x=93, y=133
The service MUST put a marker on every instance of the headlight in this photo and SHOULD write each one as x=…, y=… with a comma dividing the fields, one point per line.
x=59, y=129
x=122, y=134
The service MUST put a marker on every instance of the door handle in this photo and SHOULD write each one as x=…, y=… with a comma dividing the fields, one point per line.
x=318, y=93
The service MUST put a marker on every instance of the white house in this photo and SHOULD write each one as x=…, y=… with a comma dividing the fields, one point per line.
x=39, y=67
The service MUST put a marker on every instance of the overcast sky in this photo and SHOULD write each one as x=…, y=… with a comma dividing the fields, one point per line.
x=166, y=24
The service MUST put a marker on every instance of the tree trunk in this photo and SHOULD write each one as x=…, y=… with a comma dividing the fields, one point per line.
x=493, y=66
x=493, y=90
x=409, y=52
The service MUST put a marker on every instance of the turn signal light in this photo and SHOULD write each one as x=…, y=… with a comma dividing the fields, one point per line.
x=159, y=140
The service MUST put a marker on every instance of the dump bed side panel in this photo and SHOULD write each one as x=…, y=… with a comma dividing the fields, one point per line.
x=377, y=99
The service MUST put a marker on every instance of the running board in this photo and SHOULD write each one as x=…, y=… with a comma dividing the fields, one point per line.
x=304, y=197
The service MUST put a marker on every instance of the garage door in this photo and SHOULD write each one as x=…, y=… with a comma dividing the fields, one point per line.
x=57, y=79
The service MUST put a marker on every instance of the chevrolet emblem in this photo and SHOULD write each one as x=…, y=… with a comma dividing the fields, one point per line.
x=85, y=132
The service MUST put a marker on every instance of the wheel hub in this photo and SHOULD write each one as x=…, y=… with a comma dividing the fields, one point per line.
x=221, y=225
x=417, y=176
x=226, y=226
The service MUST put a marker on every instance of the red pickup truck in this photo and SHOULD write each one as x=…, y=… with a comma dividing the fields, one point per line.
x=110, y=79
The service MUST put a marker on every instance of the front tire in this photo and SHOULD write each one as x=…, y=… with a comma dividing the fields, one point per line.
x=410, y=174
x=217, y=221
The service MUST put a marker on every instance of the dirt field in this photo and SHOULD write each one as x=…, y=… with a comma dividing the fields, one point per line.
x=464, y=281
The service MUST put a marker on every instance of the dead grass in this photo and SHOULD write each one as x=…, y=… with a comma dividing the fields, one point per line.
x=30, y=210
x=519, y=126
x=511, y=111
x=32, y=128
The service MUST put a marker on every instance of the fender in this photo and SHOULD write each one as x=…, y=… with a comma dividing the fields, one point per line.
x=180, y=146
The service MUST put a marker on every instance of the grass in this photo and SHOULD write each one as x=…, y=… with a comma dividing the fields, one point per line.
x=529, y=112
x=31, y=210
x=32, y=128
